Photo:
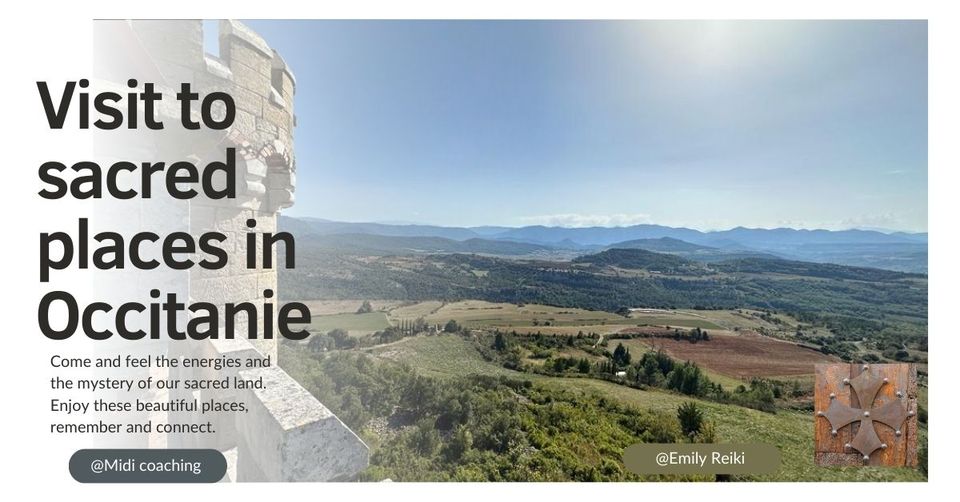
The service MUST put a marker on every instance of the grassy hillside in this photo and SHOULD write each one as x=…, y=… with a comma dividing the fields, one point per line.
x=808, y=269
x=641, y=259
x=594, y=420
x=352, y=322
x=451, y=356
x=690, y=251
x=662, y=245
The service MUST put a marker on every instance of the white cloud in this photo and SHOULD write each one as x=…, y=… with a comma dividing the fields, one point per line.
x=575, y=220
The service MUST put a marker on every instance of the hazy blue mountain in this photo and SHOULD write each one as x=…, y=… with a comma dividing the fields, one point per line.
x=662, y=245
x=326, y=227
x=487, y=231
x=785, y=238
x=918, y=237
x=603, y=236
x=900, y=256
x=373, y=244
x=870, y=248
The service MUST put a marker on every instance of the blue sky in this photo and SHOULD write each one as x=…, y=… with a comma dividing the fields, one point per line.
x=707, y=125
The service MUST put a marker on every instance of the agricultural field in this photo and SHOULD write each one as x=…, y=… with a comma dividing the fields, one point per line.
x=452, y=356
x=441, y=356
x=413, y=310
x=328, y=307
x=736, y=348
x=743, y=344
x=533, y=318
x=779, y=325
x=480, y=314
x=353, y=323
x=738, y=355
x=529, y=383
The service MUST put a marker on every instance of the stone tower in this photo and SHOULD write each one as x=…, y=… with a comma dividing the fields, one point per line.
x=287, y=435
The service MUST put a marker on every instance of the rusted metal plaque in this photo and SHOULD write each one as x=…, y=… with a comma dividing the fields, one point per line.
x=866, y=414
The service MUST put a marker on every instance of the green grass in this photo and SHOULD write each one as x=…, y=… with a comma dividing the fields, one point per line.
x=441, y=356
x=791, y=432
x=356, y=324
x=448, y=356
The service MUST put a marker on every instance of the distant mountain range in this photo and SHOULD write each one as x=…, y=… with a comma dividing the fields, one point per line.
x=373, y=244
x=898, y=251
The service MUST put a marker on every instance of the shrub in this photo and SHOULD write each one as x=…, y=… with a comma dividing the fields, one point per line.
x=690, y=417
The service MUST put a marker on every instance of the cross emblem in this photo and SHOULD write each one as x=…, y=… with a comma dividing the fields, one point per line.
x=866, y=385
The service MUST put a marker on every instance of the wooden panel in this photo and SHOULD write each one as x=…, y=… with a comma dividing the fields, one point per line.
x=900, y=451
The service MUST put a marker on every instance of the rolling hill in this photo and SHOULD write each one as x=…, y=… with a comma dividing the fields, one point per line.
x=372, y=244
x=641, y=259
x=697, y=252
x=906, y=252
x=595, y=282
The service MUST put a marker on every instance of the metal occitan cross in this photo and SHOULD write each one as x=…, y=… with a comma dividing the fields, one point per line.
x=866, y=385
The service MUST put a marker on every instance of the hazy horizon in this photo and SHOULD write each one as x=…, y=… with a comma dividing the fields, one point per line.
x=705, y=230
x=705, y=125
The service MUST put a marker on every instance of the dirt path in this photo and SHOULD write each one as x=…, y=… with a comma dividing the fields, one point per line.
x=599, y=341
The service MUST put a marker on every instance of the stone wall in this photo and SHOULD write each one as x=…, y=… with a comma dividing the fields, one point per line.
x=287, y=435
x=263, y=89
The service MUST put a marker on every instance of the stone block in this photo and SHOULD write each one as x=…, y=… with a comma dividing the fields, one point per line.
x=248, y=101
x=245, y=123
x=245, y=54
x=278, y=116
x=290, y=436
x=231, y=289
x=240, y=31
x=249, y=78
x=217, y=67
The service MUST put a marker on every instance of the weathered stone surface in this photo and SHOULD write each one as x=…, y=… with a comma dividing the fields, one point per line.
x=241, y=53
x=276, y=98
x=278, y=116
x=280, y=199
x=248, y=101
x=250, y=78
x=282, y=179
x=278, y=63
x=288, y=435
x=266, y=280
x=181, y=42
x=230, y=27
x=255, y=168
x=255, y=188
x=245, y=122
x=233, y=289
x=217, y=68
